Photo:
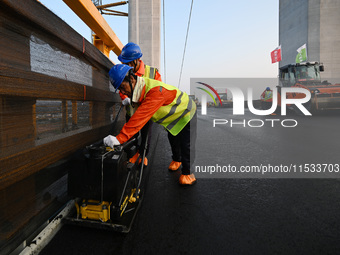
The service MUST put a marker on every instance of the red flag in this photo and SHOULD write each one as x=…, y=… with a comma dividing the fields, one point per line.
x=276, y=55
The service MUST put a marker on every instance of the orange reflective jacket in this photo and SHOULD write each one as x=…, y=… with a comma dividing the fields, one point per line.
x=149, y=104
x=140, y=73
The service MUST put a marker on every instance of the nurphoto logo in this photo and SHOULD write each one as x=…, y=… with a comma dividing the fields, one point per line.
x=238, y=101
x=239, y=94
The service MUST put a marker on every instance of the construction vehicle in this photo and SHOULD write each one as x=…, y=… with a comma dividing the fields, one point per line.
x=224, y=100
x=324, y=95
x=195, y=99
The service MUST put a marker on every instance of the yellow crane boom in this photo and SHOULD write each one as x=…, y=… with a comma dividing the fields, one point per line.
x=105, y=39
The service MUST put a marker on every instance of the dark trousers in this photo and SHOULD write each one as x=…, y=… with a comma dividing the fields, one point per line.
x=146, y=131
x=266, y=105
x=183, y=145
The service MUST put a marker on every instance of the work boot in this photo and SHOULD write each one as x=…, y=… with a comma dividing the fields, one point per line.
x=187, y=180
x=145, y=161
x=135, y=157
x=174, y=165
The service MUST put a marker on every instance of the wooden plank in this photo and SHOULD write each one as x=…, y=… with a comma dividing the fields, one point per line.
x=34, y=13
x=20, y=165
x=74, y=115
x=16, y=124
x=35, y=199
x=14, y=45
x=20, y=43
x=2, y=135
x=64, y=117
x=15, y=82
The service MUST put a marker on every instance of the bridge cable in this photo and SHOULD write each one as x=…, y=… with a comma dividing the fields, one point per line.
x=164, y=40
x=185, y=45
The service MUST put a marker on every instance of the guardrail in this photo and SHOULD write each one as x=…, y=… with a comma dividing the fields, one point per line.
x=37, y=46
x=55, y=98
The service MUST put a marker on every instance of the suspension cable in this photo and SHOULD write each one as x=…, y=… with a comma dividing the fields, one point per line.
x=185, y=45
x=164, y=40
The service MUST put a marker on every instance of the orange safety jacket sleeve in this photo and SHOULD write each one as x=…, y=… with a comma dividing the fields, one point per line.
x=263, y=94
x=153, y=100
x=122, y=96
x=141, y=72
x=158, y=76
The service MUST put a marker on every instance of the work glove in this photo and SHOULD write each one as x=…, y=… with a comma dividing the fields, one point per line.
x=111, y=141
x=126, y=101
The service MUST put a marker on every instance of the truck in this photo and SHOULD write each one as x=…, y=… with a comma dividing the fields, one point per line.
x=195, y=99
x=224, y=100
x=324, y=95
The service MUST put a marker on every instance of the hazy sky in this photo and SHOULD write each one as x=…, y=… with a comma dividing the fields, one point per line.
x=226, y=38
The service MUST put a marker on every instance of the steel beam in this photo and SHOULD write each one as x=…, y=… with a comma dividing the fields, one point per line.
x=88, y=12
x=111, y=5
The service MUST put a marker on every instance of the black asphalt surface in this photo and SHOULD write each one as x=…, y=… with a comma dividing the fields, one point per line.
x=223, y=214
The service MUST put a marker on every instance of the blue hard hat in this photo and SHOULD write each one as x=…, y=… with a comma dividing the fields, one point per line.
x=267, y=88
x=117, y=74
x=130, y=52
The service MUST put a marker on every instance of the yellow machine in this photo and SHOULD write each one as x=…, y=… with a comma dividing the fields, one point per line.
x=100, y=211
x=94, y=211
x=105, y=186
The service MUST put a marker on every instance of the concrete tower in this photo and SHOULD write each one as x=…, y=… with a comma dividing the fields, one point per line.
x=316, y=23
x=145, y=29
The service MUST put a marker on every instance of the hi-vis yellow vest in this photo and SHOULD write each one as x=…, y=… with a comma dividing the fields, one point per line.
x=150, y=72
x=178, y=113
x=268, y=95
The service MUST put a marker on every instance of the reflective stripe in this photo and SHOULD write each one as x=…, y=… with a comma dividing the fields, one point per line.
x=268, y=95
x=172, y=124
x=152, y=73
x=178, y=113
x=172, y=110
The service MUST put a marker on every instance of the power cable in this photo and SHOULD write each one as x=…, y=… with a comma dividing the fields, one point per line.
x=164, y=39
x=185, y=45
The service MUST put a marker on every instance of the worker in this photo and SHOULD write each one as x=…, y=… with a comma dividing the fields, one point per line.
x=131, y=55
x=303, y=75
x=163, y=104
x=267, y=98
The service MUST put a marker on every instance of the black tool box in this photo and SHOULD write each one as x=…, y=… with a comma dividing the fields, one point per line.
x=105, y=186
x=94, y=169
